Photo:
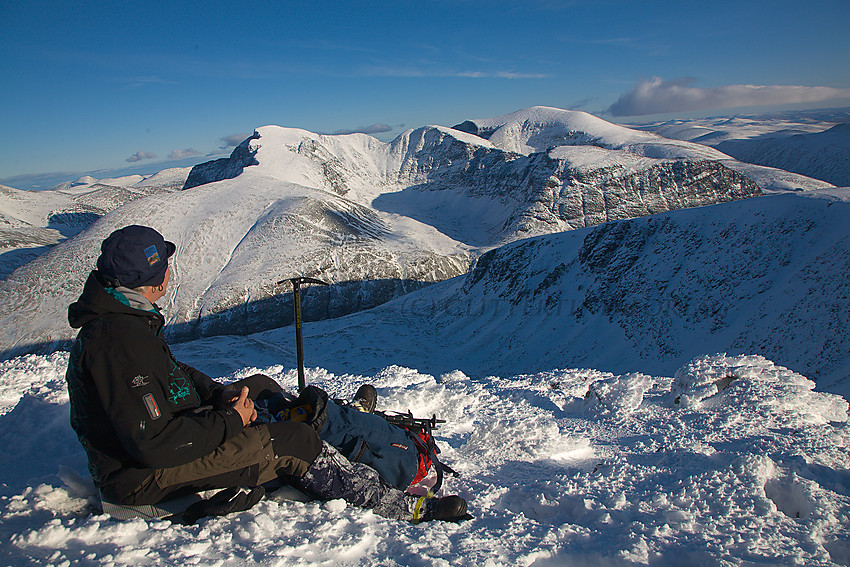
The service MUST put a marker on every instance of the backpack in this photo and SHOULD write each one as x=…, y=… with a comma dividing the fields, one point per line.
x=400, y=447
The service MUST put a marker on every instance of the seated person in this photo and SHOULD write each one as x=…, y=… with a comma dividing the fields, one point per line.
x=154, y=428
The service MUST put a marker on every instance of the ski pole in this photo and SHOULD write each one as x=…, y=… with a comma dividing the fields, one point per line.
x=299, y=347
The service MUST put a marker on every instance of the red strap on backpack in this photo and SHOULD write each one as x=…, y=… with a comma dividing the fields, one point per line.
x=425, y=461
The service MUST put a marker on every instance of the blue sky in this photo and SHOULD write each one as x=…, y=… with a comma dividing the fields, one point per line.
x=106, y=85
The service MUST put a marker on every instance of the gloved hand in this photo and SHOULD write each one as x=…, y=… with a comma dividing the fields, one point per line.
x=227, y=501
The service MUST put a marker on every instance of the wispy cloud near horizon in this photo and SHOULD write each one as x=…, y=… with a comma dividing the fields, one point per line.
x=139, y=156
x=657, y=96
x=502, y=75
x=403, y=71
x=180, y=154
x=137, y=82
x=373, y=129
x=233, y=140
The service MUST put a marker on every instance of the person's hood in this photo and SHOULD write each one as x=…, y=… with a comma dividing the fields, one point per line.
x=96, y=301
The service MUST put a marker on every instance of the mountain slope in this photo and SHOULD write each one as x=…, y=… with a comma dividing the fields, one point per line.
x=236, y=239
x=764, y=276
x=32, y=222
x=824, y=155
x=814, y=143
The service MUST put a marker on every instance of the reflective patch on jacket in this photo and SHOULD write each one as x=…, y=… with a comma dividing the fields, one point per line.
x=150, y=405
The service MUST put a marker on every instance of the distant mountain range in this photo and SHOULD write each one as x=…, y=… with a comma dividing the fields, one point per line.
x=376, y=220
x=31, y=222
x=824, y=155
x=815, y=143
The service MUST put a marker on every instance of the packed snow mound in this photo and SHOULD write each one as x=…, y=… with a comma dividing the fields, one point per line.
x=552, y=478
x=618, y=396
x=755, y=381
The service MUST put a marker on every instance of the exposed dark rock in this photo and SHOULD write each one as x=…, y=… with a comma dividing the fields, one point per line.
x=224, y=168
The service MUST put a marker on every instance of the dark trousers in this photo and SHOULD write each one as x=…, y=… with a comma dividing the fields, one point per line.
x=257, y=455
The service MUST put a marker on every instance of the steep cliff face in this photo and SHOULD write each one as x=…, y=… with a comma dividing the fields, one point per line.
x=224, y=168
x=762, y=276
x=593, y=196
x=486, y=196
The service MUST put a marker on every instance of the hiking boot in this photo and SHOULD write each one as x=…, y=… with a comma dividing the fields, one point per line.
x=365, y=399
x=446, y=509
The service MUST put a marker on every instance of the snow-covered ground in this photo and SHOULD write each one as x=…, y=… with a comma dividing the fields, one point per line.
x=733, y=461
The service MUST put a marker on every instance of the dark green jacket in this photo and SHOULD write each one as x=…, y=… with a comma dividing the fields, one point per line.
x=133, y=406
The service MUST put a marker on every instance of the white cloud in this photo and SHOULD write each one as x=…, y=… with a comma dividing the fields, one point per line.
x=373, y=129
x=233, y=140
x=501, y=75
x=180, y=154
x=139, y=156
x=657, y=96
x=438, y=71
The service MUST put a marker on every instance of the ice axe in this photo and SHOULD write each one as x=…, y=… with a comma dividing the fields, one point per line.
x=299, y=347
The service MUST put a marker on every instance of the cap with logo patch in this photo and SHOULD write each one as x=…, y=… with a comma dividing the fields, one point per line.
x=135, y=256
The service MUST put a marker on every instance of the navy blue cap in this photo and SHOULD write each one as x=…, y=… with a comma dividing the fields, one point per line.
x=134, y=256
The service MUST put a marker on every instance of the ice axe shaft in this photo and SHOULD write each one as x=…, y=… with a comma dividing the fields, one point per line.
x=299, y=345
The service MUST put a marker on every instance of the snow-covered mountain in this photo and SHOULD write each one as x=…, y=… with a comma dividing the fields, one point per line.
x=32, y=222
x=813, y=143
x=824, y=155
x=540, y=128
x=375, y=219
x=483, y=195
x=762, y=276
x=236, y=240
